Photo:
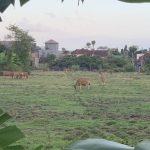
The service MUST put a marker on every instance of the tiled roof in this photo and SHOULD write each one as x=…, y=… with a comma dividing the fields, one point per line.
x=51, y=42
x=100, y=53
x=82, y=51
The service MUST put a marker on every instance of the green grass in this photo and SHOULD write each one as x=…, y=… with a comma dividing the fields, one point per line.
x=49, y=111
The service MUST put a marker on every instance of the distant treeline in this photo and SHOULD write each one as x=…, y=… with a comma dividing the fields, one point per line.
x=115, y=62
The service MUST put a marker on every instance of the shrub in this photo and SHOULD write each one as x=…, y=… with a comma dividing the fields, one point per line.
x=75, y=67
x=129, y=67
x=118, y=69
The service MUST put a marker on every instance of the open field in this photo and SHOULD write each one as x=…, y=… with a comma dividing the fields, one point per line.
x=49, y=111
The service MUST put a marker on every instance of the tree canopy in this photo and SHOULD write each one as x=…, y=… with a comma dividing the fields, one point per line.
x=135, y=1
x=5, y=3
x=17, y=56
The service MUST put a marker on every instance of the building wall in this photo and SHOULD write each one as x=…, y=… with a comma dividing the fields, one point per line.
x=138, y=56
x=36, y=62
x=51, y=48
x=35, y=59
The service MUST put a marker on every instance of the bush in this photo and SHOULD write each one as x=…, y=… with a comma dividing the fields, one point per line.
x=75, y=67
x=118, y=69
x=129, y=67
x=44, y=67
x=146, y=69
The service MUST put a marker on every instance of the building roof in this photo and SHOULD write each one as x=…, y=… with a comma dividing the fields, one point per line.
x=51, y=41
x=82, y=51
x=103, y=48
x=100, y=53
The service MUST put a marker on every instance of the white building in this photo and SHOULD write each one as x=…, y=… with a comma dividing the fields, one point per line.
x=51, y=47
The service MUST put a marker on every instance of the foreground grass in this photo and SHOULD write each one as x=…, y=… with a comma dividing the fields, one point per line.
x=50, y=112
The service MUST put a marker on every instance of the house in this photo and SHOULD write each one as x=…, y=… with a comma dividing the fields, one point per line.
x=81, y=52
x=51, y=47
x=102, y=48
x=7, y=44
x=35, y=55
x=66, y=53
x=141, y=58
x=101, y=53
x=86, y=52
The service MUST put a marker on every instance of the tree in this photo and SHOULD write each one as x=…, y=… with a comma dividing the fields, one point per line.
x=117, y=61
x=135, y=1
x=88, y=45
x=78, y=1
x=116, y=52
x=93, y=43
x=125, y=50
x=8, y=59
x=2, y=48
x=131, y=53
x=5, y=3
x=51, y=59
x=132, y=50
x=22, y=45
x=65, y=52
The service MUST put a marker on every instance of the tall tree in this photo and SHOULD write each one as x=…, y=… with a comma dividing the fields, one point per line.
x=93, y=43
x=132, y=50
x=131, y=53
x=2, y=48
x=88, y=44
x=125, y=50
x=22, y=44
x=51, y=59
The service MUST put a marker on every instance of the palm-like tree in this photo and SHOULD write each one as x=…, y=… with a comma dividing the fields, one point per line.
x=88, y=45
x=93, y=43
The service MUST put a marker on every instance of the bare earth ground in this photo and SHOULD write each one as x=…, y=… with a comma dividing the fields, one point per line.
x=50, y=112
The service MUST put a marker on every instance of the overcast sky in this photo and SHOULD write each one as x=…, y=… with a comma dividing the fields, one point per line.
x=109, y=22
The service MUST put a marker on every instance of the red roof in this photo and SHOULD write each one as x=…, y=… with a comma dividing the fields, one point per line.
x=51, y=42
x=100, y=53
x=82, y=52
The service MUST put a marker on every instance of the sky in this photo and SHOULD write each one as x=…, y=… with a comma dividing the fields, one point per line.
x=109, y=22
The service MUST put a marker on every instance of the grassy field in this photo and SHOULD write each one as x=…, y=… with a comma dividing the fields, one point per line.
x=49, y=111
